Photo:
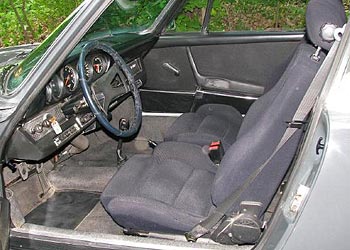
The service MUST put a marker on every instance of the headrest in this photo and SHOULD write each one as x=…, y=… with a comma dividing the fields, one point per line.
x=322, y=18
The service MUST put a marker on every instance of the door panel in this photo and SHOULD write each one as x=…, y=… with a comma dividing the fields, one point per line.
x=161, y=77
x=255, y=64
x=229, y=68
x=166, y=101
x=215, y=82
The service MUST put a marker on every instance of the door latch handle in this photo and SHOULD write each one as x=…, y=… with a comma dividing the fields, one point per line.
x=171, y=68
x=320, y=145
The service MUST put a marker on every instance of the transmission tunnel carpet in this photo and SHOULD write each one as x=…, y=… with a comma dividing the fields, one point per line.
x=64, y=209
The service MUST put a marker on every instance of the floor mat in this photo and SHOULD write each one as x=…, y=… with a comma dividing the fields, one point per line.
x=99, y=221
x=64, y=209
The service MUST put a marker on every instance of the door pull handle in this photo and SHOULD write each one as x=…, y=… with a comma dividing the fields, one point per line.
x=171, y=68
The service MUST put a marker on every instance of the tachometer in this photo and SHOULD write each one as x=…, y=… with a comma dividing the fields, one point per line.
x=70, y=78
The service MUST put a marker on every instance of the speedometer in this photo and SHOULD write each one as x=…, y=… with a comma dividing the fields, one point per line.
x=70, y=78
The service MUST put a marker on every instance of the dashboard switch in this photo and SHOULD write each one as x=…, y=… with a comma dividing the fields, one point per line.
x=38, y=128
x=46, y=123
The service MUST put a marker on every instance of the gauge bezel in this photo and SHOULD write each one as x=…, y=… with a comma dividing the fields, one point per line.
x=105, y=62
x=75, y=78
x=59, y=87
x=48, y=93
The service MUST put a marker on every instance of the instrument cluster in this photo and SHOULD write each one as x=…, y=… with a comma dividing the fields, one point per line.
x=66, y=81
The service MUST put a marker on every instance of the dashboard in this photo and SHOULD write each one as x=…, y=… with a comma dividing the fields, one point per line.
x=63, y=113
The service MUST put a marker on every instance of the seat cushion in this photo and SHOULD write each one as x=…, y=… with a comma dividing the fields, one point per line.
x=209, y=123
x=166, y=192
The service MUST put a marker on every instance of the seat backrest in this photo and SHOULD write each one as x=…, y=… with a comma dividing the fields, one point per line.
x=265, y=122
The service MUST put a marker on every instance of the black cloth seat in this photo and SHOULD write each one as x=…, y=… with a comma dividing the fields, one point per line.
x=211, y=122
x=178, y=186
x=170, y=187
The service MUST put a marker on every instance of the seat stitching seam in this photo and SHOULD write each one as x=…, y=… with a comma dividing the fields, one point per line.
x=189, y=176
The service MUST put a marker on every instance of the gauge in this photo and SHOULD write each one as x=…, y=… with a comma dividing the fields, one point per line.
x=48, y=94
x=54, y=90
x=88, y=71
x=70, y=78
x=98, y=65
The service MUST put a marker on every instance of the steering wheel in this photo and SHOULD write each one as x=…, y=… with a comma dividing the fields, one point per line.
x=100, y=94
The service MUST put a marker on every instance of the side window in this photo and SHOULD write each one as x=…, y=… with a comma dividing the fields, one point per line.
x=267, y=15
x=242, y=15
x=191, y=17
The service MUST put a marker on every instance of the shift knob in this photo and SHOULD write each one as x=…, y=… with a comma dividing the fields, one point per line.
x=124, y=124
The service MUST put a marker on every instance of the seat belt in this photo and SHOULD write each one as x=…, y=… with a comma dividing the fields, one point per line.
x=306, y=105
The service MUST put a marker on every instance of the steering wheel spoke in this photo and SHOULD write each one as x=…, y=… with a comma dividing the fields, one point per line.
x=113, y=93
x=106, y=85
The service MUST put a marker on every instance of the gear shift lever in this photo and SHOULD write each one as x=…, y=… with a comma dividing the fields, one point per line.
x=123, y=126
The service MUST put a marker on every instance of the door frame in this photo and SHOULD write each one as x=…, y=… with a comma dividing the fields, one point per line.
x=4, y=216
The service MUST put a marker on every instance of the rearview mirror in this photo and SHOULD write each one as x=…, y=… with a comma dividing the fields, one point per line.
x=172, y=26
x=126, y=4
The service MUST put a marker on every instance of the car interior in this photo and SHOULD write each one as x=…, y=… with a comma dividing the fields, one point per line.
x=149, y=140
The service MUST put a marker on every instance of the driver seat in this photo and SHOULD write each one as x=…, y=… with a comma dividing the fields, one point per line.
x=178, y=186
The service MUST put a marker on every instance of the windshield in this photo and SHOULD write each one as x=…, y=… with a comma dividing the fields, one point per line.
x=122, y=16
x=127, y=16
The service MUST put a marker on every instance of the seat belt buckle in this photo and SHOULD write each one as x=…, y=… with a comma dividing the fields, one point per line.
x=216, y=152
x=296, y=124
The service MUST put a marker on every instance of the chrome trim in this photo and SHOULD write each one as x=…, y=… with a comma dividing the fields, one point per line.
x=200, y=92
x=161, y=114
x=168, y=92
x=227, y=95
x=199, y=78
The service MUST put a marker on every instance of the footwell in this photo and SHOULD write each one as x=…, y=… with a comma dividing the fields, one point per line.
x=64, y=209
